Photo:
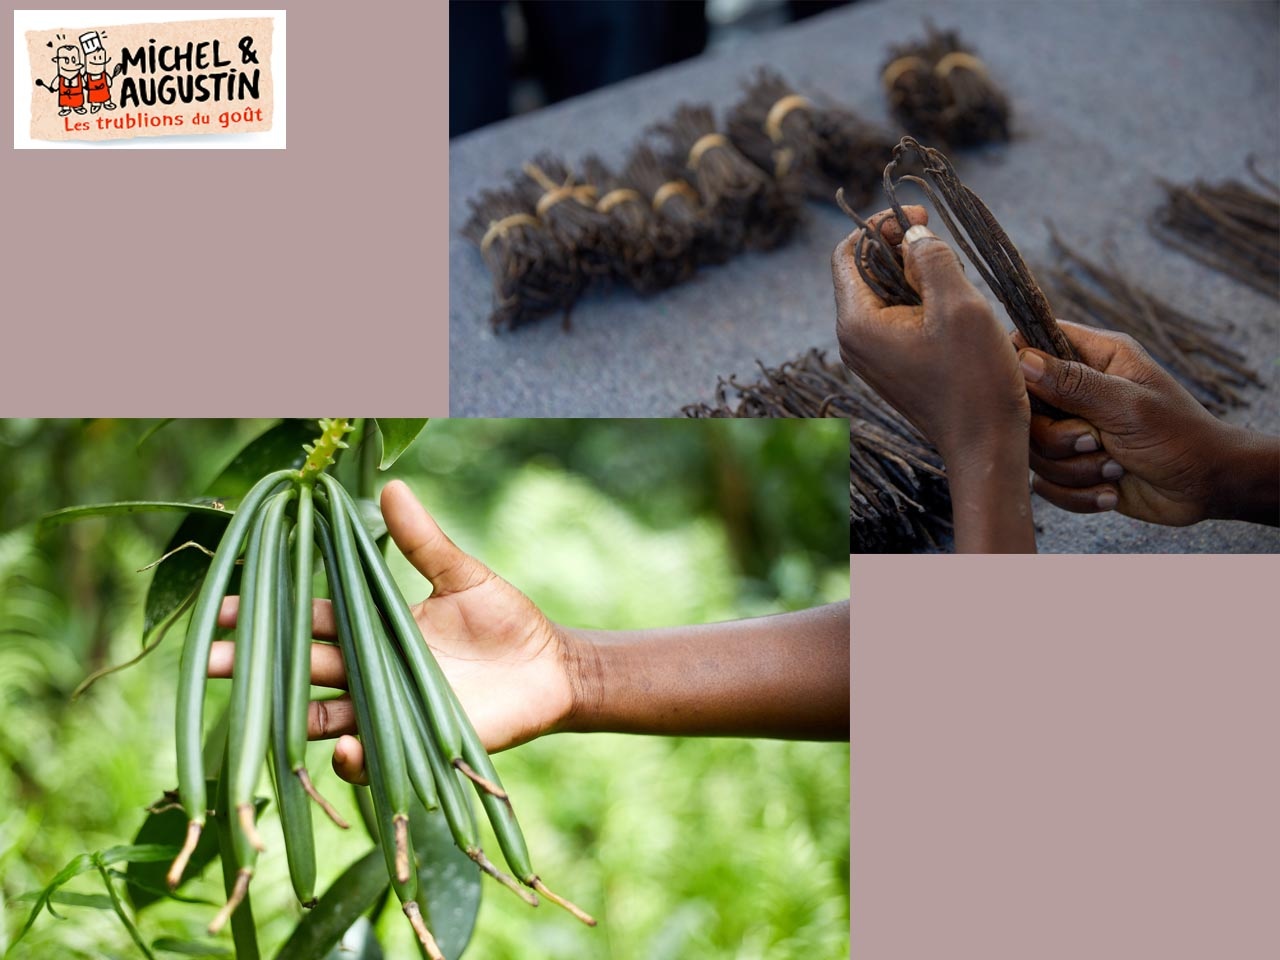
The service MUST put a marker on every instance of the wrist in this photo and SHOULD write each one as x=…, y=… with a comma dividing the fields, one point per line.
x=1246, y=485
x=991, y=497
x=580, y=657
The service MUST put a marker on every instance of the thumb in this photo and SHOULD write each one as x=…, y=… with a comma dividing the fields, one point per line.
x=449, y=568
x=934, y=270
x=1077, y=388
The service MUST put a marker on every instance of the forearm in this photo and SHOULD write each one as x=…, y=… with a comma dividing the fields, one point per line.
x=991, y=498
x=1249, y=484
x=784, y=676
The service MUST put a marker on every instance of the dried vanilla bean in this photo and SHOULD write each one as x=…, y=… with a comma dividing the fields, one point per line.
x=532, y=274
x=1228, y=226
x=810, y=147
x=567, y=207
x=680, y=238
x=745, y=206
x=1192, y=349
x=977, y=232
x=630, y=241
x=898, y=494
x=940, y=90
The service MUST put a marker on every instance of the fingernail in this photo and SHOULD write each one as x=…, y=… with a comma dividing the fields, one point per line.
x=1032, y=366
x=918, y=232
x=1107, y=500
x=1086, y=444
x=1111, y=470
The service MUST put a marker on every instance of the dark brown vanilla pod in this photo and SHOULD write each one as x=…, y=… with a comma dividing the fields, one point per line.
x=977, y=232
x=567, y=206
x=682, y=236
x=1230, y=226
x=746, y=206
x=810, y=147
x=898, y=494
x=939, y=89
x=533, y=275
x=629, y=242
x=1192, y=349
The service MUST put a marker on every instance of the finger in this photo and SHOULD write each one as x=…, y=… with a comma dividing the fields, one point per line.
x=890, y=229
x=1096, y=499
x=843, y=262
x=424, y=544
x=1085, y=470
x=935, y=272
x=1056, y=439
x=1096, y=347
x=322, y=625
x=348, y=760
x=326, y=663
x=1077, y=388
x=854, y=299
x=327, y=719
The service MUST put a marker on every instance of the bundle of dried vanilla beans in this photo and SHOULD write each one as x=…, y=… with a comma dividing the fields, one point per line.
x=940, y=90
x=685, y=198
x=898, y=495
x=1229, y=226
x=533, y=274
x=812, y=147
x=1193, y=349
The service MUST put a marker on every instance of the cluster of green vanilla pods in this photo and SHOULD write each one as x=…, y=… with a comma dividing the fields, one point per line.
x=416, y=735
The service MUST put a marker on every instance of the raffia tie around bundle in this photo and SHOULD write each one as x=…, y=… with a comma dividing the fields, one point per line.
x=708, y=141
x=674, y=188
x=554, y=193
x=959, y=59
x=498, y=228
x=784, y=156
x=615, y=197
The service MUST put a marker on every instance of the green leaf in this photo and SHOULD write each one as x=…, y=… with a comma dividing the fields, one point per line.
x=99, y=901
x=278, y=448
x=371, y=518
x=166, y=831
x=180, y=576
x=66, y=515
x=397, y=434
x=139, y=853
x=191, y=948
x=358, y=888
x=360, y=942
x=78, y=865
x=448, y=882
x=153, y=430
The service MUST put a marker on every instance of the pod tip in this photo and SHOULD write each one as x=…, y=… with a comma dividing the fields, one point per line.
x=246, y=813
x=401, y=822
x=179, y=866
x=555, y=898
x=420, y=928
x=238, y=893
x=315, y=795
x=485, y=784
x=485, y=864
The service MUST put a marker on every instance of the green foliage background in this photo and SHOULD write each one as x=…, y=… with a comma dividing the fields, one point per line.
x=683, y=848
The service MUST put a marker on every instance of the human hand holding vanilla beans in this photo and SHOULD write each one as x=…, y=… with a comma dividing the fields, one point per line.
x=1138, y=442
x=519, y=676
x=1130, y=438
x=945, y=364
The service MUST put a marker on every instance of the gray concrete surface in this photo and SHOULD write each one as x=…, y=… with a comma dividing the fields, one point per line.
x=1106, y=98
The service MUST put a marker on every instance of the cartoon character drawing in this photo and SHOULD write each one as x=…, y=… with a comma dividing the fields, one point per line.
x=96, y=79
x=70, y=80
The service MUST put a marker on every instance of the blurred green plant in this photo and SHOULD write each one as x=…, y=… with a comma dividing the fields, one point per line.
x=692, y=848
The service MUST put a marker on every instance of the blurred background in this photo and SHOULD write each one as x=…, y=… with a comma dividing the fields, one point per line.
x=684, y=848
x=512, y=57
